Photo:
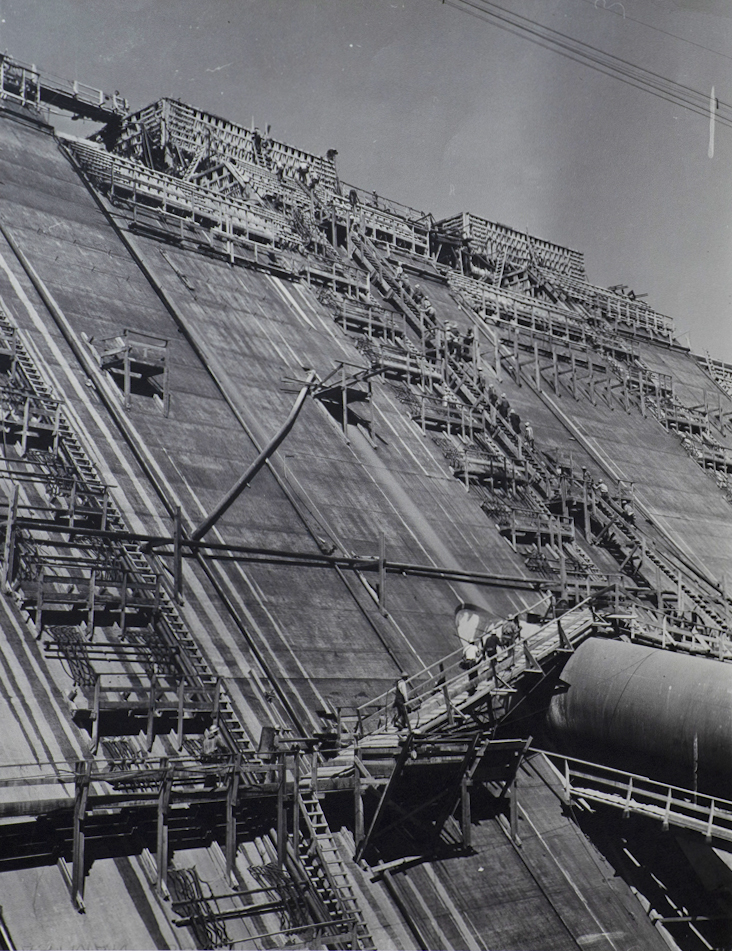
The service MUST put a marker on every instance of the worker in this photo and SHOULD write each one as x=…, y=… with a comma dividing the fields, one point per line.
x=401, y=702
x=491, y=643
x=492, y=394
x=469, y=662
x=510, y=632
x=213, y=746
x=515, y=421
x=627, y=510
x=603, y=490
x=529, y=435
x=504, y=406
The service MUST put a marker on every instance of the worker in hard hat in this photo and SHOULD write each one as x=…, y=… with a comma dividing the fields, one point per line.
x=401, y=701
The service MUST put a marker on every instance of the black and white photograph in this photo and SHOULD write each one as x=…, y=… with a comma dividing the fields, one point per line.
x=366, y=475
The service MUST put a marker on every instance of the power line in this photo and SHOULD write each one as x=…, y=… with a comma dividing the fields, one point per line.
x=584, y=50
x=600, y=61
x=656, y=29
x=584, y=53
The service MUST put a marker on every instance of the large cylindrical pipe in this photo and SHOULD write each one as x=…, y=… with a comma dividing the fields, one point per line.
x=647, y=710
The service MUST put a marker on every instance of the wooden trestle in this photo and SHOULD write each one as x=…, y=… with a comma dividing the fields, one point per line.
x=102, y=604
x=24, y=84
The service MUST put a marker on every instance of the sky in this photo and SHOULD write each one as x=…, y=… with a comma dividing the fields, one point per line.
x=433, y=107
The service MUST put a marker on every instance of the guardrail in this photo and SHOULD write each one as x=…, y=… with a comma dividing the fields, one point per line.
x=25, y=84
x=633, y=793
x=141, y=184
x=445, y=686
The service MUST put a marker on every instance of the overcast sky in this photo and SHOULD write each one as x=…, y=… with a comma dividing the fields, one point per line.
x=433, y=107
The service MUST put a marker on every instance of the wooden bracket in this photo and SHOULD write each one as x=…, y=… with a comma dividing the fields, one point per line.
x=564, y=641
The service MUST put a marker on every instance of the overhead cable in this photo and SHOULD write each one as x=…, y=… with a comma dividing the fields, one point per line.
x=656, y=29
x=600, y=61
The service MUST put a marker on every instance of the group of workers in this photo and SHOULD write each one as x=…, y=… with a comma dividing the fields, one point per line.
x=483, y=647
x=600, y=488
x=423, y=303
x=507, y=412
x=486, y=646
x=450, y=339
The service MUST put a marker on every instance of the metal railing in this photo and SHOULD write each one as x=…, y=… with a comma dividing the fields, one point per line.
x=633, y=793
x=445, y=684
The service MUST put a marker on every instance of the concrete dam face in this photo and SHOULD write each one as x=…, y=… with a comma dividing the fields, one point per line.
x=312, y=505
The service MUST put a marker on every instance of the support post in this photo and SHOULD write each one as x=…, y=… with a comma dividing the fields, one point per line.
x=9, y=545
x=314, y=773
x=679, y=594
x=166, y=785
x=26, y=420
x=382, y=573
x=448, y=703
x=56, y=429
x=128, y=400
x=181, y=712
x=177, y=557
x=150, y=733
x=232, y=793
x=591, y=368
x=562, y=559
x=513, y=811
x=344, y=400
x=216, y=705
x=281, y=815
x=722, y=428
x=39, y=605
x=659, y=588
x=642, y=382
x=123, y=606
x=296, y=804
x=586, y=512
x=92, y=600
x=358, y=829
x=96, y=711
x=72, y=500
x=166, y=382
x=465, y=817
x=371, y=411
x=82, y=780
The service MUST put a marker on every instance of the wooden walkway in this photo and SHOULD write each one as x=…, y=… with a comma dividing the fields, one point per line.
x=585, y=782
